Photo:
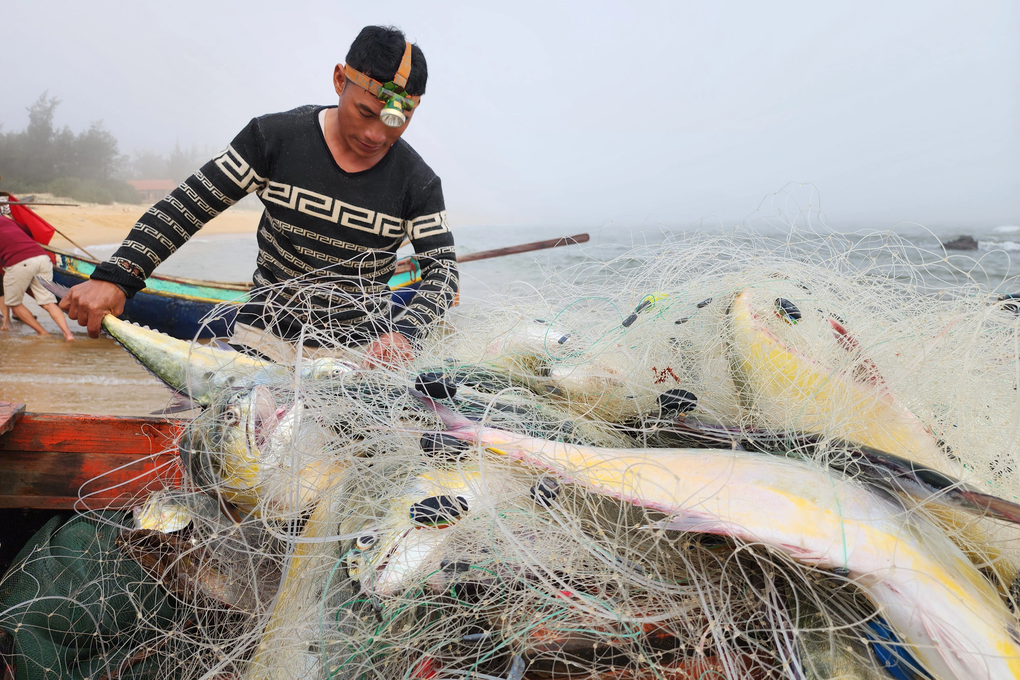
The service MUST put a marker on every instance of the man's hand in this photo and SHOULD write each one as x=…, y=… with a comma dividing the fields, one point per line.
x=390, y=349
x=89, y=302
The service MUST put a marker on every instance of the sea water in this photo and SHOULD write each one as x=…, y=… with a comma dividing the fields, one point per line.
x=231, y=257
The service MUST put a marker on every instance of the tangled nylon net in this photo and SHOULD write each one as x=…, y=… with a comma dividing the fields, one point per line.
x=324, y=527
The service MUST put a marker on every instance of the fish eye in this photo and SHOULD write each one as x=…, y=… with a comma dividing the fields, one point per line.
x=1011, y=303
x=787, y=311
x=676, y=402
x=439, y=510
x=231, y=416
x=545, y=490
x=365, y=541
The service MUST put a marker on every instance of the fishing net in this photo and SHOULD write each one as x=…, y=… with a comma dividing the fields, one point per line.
x=329, y=523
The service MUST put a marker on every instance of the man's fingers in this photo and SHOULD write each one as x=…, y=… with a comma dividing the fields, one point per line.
x=80, y=313
x=94, y=322
x=89, y=302
x=70, y=305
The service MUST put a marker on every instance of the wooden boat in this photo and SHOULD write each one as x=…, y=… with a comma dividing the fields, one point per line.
x=180, y=307
x=59, y=461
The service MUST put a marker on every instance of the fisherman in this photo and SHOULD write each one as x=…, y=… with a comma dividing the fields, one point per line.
x=341, y=192
x=23, y=260
x=5, y=311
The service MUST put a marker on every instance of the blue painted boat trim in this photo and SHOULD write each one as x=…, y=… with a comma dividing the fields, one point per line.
x=182, y=309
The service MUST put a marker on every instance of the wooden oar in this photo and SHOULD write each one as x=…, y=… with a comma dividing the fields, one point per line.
x=525, y=248
x=407, y=264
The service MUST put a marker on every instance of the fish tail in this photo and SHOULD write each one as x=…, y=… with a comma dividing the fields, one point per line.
x=995, y=506
x=454, y=421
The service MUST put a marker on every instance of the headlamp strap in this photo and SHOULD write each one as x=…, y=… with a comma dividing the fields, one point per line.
x=400, y=79
x=363, y=81
x=386, y=92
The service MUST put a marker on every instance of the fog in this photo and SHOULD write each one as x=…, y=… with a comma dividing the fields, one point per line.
x=584, y=113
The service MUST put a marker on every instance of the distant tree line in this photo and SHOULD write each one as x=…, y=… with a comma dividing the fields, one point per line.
x=87, y=166
x=178, y=166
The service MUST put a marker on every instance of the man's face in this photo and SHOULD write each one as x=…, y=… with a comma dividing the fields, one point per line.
x=360, y=126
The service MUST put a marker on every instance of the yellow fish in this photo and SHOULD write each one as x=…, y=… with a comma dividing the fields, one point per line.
x=928, y=591
x=792, y=391
x=805, y=372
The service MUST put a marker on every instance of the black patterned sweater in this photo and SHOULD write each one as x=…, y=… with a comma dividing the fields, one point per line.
x=327, y=239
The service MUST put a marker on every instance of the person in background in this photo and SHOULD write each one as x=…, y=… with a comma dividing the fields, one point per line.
x=22, y=260
x=341, y=191
x=5, y=311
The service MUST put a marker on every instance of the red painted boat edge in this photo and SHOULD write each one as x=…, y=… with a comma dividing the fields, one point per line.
x=77, y=461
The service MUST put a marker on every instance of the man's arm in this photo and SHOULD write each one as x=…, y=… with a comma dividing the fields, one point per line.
x=433, y=245
x=440, y=280
x=166, y=226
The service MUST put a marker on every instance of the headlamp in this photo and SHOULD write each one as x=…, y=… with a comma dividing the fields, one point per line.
x=392, y=93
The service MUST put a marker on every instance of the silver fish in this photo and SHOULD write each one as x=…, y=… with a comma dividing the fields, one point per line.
x=263, y=456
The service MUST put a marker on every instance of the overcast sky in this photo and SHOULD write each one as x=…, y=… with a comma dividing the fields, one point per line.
x=583, y=113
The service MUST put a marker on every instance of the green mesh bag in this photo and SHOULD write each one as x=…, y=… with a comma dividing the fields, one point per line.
x=74, y=606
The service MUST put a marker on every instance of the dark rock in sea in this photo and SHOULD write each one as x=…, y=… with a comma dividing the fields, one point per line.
x=961, y=243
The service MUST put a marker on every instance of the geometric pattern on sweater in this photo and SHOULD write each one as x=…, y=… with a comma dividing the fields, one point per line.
x=322, y=230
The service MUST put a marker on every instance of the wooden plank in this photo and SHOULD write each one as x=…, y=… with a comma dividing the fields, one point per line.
x=30, y=479
x=10, y=414
x=64, y=461
x=53, y=432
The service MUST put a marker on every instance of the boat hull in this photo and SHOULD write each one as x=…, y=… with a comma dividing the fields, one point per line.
x=59, y=461
x=189, y=308
x=178, y=317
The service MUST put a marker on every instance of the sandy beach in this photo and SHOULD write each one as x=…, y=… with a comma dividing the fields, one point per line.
x=88, y=376
x=93, y=224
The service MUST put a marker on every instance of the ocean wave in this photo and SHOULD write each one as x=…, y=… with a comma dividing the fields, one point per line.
x=1007, y=229
x=998, y=245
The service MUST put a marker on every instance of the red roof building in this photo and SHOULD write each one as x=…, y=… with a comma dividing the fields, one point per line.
x=152, y=190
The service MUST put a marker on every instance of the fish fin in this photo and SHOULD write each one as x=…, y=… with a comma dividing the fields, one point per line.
x=58, y=291
x=866, y=371
x=692, y=522
x=953, y=650
x=454, y=421
x=901, y=475
x=994, y=506
x=179, y=403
